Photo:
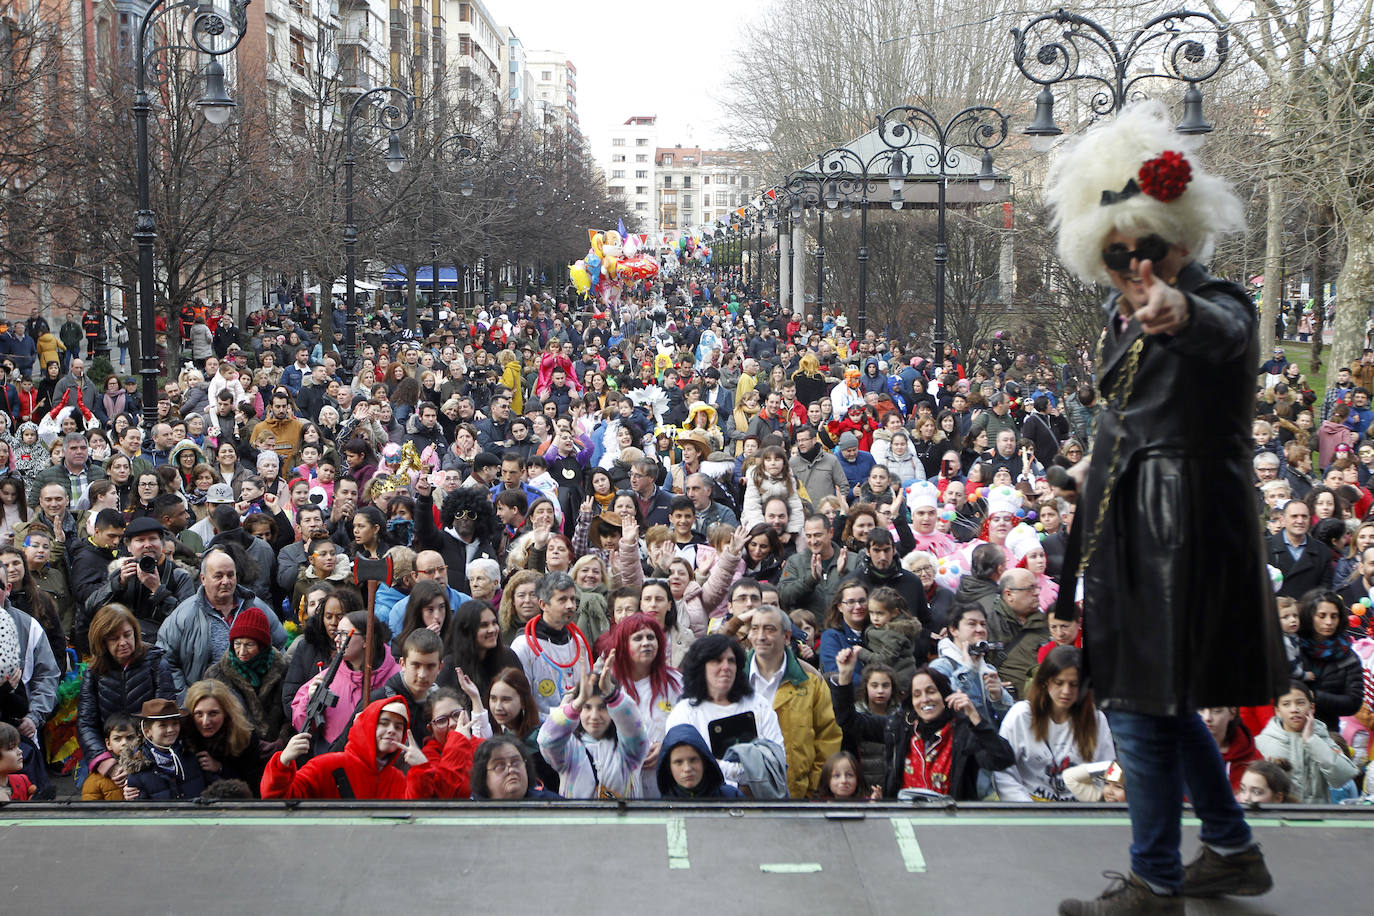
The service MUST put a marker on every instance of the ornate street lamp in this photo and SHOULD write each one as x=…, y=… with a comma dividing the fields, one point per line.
x=1062, y=47
x=194, y=26
x=395, y=111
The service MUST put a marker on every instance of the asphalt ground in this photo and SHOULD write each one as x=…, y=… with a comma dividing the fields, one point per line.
x=267, y=857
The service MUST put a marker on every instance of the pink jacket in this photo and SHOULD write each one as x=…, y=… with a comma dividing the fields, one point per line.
x=348, y=684
x=1329, y=436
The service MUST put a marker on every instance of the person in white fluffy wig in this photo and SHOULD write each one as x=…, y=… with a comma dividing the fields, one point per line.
x=1177, y=609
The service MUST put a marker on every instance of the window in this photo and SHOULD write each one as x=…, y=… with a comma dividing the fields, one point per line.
x=667, y=181
x=668, y=159
x=641, y=141
x=641, y=173
x=641, y=189
x=732, y=179
x=465, y=12
x=641, y=157
x=720, y=198
x=686, y=201
x=546, y=76
x=641, y=205
x=617, y=141
x=686, y=181
x=618, y=157
x=706, y=179
x=297, y=53
x=618, y=173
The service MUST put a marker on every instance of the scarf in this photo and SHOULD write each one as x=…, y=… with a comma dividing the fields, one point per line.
x=1326, y=650
x=255, y=669
x=604, y=502
x=166, y=760
x=932, y=750
x=593, y=614
x=10, y=660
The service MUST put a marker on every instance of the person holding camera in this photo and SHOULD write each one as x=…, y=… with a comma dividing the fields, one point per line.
x=144, y=579
x=963, y=660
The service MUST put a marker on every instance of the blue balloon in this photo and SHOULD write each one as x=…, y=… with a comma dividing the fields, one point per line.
x=593, y=264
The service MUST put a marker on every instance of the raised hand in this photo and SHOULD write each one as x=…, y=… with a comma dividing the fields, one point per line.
x=1166, y=309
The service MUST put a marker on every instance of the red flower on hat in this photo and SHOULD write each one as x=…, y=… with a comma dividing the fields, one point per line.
x=1166, y=177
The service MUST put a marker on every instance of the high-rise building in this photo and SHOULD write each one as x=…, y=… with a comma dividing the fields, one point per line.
x=627, y=157
x=476, y=48
x=555, y=92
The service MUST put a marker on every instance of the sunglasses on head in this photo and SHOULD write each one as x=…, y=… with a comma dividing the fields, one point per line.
x=1150, y=248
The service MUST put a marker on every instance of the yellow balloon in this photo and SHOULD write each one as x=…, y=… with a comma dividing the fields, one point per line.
x=611, y=266
x=580, y=279
x=597, y=241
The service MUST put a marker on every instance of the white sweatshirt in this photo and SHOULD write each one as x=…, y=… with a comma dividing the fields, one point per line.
x=1038, y=774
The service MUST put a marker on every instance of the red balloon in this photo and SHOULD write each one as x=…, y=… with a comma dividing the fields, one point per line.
x=1354, y=621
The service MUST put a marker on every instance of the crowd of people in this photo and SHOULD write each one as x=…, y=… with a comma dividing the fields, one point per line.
x=694, y=548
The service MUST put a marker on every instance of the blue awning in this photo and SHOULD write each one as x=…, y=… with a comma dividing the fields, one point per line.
x=396, y=276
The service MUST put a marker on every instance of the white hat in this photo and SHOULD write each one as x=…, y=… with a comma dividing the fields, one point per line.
x=1021, y=540
x=922, y=495
x=1003, y=499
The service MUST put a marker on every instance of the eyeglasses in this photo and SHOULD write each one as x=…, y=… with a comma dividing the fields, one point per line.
x=445, y=721
x=1022, y=588
x=466, y=515
x=506, y=765
x=432, y=570
x=853, y=602
x=1150, y=248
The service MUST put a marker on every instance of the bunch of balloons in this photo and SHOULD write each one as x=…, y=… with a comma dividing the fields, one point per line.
x=689, y=246
x=610, y=262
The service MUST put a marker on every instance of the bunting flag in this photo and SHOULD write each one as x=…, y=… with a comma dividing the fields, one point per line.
x=772, y=194
x=740, y=213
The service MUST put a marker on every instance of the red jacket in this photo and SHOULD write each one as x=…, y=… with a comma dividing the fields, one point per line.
x=20, y=789
x=358, y=760
x=448, y=772
x=1239, y=754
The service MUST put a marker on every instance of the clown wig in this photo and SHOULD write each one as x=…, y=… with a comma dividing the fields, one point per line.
x=1107, y=157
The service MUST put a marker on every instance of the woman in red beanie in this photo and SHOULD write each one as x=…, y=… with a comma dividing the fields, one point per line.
x=255, y=671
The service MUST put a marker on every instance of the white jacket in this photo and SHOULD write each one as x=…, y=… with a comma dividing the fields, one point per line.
x=1038, y=774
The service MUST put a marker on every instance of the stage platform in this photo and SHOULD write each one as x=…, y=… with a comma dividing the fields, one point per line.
x=312, y=857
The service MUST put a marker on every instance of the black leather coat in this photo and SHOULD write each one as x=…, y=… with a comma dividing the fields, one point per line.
x=1178, y=607
x=121, y=691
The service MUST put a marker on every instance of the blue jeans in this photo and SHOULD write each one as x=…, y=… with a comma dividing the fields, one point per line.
x=1162, y=756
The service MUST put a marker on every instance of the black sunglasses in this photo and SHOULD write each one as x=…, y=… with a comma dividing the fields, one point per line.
x=1150, y=248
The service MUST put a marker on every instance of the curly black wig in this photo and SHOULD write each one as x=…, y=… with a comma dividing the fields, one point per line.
x=470, y=499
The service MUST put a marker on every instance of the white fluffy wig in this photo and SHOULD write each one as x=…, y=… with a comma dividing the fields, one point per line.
x=1105, y=158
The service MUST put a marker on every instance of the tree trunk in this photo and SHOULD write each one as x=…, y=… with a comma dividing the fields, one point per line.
x=1355, y=285
x=1272, y=300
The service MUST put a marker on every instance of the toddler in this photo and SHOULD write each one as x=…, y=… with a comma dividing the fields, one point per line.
x=13, y=785
x=891, y=634
x=121, y=737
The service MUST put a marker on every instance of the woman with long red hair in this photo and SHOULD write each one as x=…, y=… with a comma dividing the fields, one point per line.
x=640, y=664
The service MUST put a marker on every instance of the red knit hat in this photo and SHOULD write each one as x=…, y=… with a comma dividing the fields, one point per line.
x=251, y=623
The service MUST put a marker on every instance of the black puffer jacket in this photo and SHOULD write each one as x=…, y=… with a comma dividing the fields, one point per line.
x=120, y=691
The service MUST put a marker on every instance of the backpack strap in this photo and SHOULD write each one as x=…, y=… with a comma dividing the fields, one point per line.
x=342, y=784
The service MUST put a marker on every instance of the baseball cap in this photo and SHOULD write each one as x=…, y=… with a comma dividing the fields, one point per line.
x=219, y=493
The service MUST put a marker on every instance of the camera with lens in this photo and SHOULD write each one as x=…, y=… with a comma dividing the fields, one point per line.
x=982, y=647
x=147, y=564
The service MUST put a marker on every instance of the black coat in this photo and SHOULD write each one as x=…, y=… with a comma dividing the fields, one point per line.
x=119, y=692
x=976, y=747
x=1338, y=686
x=155, y=785
x=1313, y=568
x=1178, y=607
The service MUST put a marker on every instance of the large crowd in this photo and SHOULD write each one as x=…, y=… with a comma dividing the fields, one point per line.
x=692, y=547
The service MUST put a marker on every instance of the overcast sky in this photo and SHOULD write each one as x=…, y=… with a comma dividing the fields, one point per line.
x=665, y=59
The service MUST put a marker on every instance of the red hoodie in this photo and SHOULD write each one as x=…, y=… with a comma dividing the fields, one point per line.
x=358, y=760
x=448, y=772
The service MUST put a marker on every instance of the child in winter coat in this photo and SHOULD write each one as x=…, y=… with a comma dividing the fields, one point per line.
x=121, y=737
x=768, y=479
x=688, y=769
x=1297, y=736
x=447, y=774
x=159, y=768
x=596, y=739
x=366, y=768
x=13, y=786
x=891, y=634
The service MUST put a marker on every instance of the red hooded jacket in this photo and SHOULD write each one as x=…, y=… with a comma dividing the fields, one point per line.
x=449, y=770
x=358, y=760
